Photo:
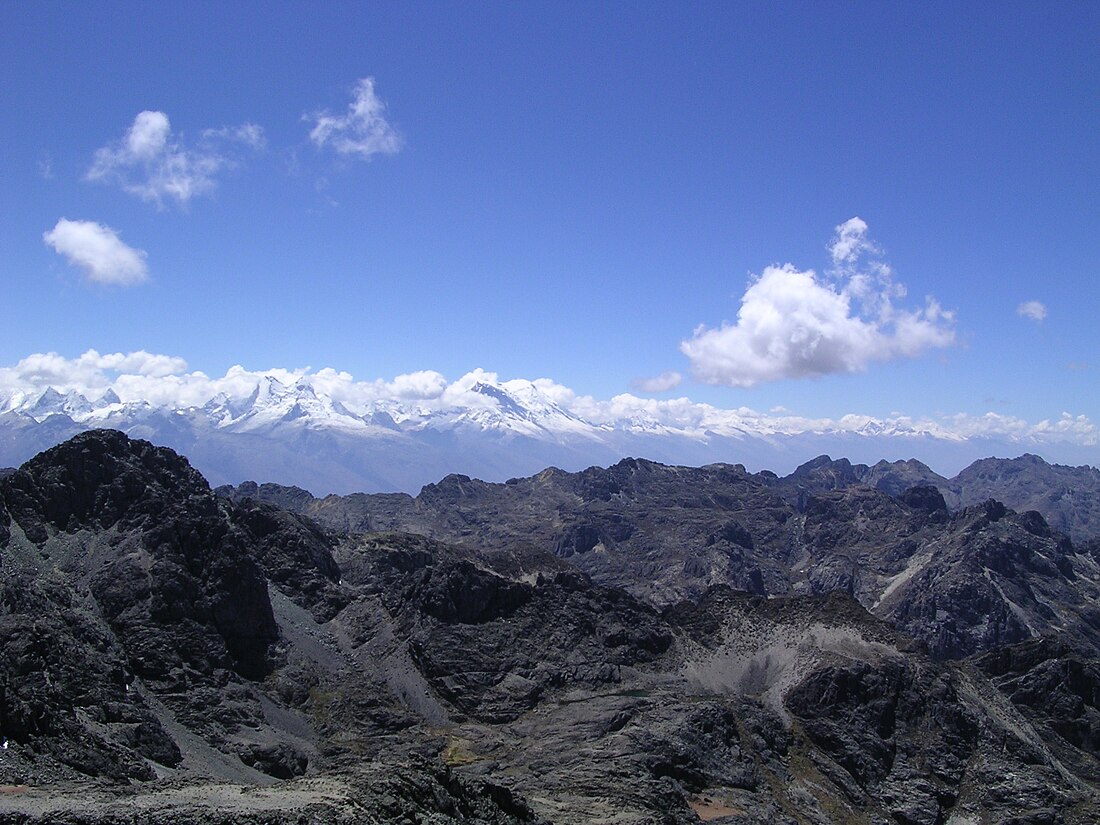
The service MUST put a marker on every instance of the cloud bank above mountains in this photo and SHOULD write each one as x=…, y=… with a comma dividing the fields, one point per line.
x=165, y=381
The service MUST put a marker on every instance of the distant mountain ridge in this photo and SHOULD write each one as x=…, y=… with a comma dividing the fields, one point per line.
x=1068, y=498
x=297, y=433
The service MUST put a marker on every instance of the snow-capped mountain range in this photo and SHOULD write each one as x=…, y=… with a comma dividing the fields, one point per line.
x=330, y=435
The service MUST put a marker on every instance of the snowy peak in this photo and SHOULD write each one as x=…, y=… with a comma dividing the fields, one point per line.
x=108, y=399
x=272, y=403
x=51, y=402
x=516, y=407
x=477, y=403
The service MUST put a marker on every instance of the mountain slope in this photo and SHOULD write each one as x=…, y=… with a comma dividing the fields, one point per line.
x=242, y=665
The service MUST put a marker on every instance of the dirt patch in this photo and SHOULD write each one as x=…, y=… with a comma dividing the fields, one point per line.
x=14, y=788
x=707, y=809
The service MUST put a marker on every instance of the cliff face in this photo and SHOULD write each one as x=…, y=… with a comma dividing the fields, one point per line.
x=641, y=643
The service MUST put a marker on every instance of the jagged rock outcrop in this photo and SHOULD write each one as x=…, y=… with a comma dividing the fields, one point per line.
x=1058, y=689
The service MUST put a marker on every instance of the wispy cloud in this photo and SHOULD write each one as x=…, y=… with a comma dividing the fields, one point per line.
x=248, y=134
x=668, y=380
x=795, y=324
x=45, y=166
x=1033, y=310
x=98, y=251
x=156, y=165
x=362, y=131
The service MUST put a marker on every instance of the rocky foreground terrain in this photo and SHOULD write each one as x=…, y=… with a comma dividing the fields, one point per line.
x=634, y=644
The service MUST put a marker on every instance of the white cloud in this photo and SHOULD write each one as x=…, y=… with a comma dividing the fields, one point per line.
x=97, y=250
x=668, y=380
x=794, y=324
x=153, y=164
x=1077, y=429
x=421, y=385
x=850, y=241
x=1034, y=310
x=148, y=136
x=557, y=393
x=136, y=363
x=362, y=131
x=89, y=373
x=250, y=134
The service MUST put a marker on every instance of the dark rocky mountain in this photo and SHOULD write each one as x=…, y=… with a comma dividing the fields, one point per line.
x=633, y=644
x=961, y=581
x=1068, y=497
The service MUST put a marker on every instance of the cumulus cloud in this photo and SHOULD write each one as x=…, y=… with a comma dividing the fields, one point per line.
x=99, y=251
x=362, y=131
x=793, y=323
x=1077, y=429
x=420, y=385
x=90, y=373
x=1033, y=310
x=668, y=380
x=850, y=242
x=155, y=165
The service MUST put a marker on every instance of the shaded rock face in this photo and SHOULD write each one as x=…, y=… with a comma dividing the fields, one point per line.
x=126, y=580
x=493, y=647
x=926, y=498
x=294, y=554
x=188, y=570
x=998, y=578
x=1058, y=689
x=580, y=538
x=895, y=721
x=99, y=479
x=57, y=666
x=703, y=749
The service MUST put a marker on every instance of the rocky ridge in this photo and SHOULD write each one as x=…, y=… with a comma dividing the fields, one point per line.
x=963, y=581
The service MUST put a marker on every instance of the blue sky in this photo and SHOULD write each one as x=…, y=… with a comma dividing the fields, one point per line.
x=569, y=191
